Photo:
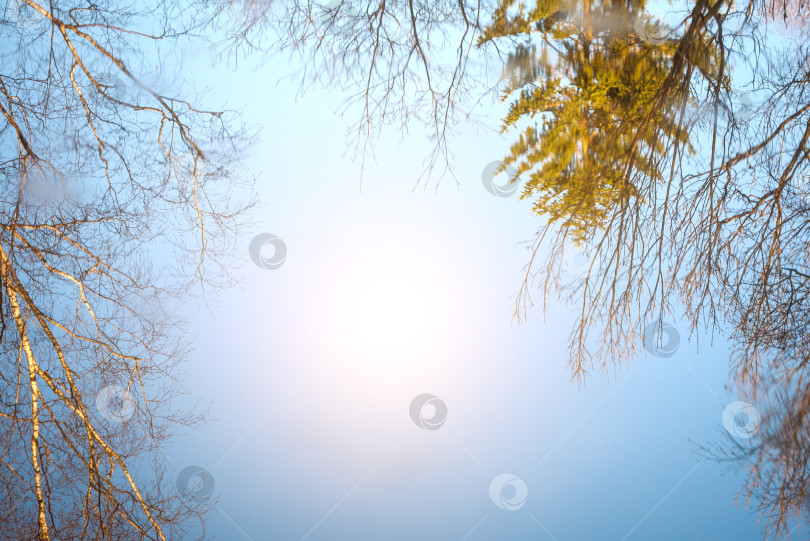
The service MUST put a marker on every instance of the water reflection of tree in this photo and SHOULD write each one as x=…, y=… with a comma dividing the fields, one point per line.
x=101, y=166
x=404, y=63
x=676, y=152
x=688, y=182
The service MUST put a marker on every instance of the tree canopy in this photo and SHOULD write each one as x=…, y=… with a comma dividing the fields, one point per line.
x=677, y=152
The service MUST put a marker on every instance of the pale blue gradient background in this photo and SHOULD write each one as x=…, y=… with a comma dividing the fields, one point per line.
x=310, y=433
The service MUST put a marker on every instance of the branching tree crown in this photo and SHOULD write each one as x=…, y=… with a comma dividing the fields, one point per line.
x=105, y=174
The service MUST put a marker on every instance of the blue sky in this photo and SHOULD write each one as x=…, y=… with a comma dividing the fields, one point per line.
x=390, y=292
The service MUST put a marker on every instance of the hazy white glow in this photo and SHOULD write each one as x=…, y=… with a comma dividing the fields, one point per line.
x=386, y=315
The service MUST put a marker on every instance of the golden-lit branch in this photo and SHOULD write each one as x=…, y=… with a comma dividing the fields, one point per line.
x=94, y=171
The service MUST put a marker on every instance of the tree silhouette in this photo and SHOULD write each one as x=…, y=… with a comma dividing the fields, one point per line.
x=685, y=177
x=101, y=168
x=673, y=154
x=404, y=63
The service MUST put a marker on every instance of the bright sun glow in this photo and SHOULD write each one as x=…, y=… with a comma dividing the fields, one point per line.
x=386, y=315
x=386, y=305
